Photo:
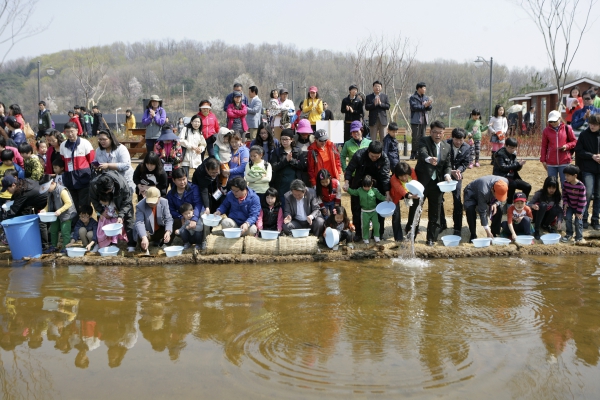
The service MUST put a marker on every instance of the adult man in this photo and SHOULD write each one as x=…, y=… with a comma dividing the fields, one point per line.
x=420, y=105
x=579, y=122
x=237, y=87
x=326, y=115
x=355, y=143
x=352, y=108
x=153, y=221
x=377, y=105
x=302, y=210
x=44, y=120
x=487, y=192
x=529, y=119
x=433, y=166
x=459, y=160
x=323, y=154
x=507, y=165
x=253, y=118
x=370, y=161
x=184, y=192
x=513, y=119
x=587, y=151
x=77, y=153
x=97, y=115
x=242, y=207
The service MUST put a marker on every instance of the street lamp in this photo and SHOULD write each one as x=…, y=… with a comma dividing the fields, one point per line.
x=50, y=71
x=117, y=119
x=450, y=115
x=491, y=64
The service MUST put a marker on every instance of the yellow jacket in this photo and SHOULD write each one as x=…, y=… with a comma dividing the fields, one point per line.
x=130, y=123
x=314, y=108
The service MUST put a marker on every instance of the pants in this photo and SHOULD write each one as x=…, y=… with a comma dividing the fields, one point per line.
x=253, y=132
x=186, y=170
x=329, y=206
x=85, y=236
x=347, y=135
x=592, y=190
x=471, y=213
x=80, y=197
x=316, y=228
x=475, y=150
x=545, y=217
x=513, y=185
x=396, y=224
x=522, y=228
x=65, y=231
x=150, y=144
x=578, y=223
x=557, y=171
x=457, y=210
x=378, y=131
x=210, y=142
x=229, y=223
x=346, y=235
x=154, y=238
x=193, y=237
x=434, y=198
x=357, y=220
x=369, y=216
x=418, y=131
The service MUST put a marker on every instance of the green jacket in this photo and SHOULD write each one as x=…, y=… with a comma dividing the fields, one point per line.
x=350, y=147
x=44, y=120
x=367, y=198
x=478, y=129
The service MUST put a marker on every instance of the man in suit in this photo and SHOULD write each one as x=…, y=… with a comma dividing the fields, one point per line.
x=420, y=105
x=254, y=116
x=529, y=119
x=433, y=166
x=302, y=210
x=459, y=159
x=377, y=105
x=153, y=220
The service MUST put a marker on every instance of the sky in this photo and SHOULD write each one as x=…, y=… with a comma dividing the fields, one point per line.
x=457, y=30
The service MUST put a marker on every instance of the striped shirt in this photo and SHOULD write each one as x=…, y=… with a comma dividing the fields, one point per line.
x=574, y=196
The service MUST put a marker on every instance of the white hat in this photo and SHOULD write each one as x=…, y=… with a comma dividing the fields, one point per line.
x=554, y=116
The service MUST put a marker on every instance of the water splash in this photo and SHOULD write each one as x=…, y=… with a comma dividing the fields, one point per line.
x=408, y=251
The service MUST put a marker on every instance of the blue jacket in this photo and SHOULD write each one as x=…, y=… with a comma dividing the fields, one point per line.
x=20, y=171
x=91, y=226
x=577, y=121
x=418, y=112
x=18, y=137
x=191, y=195
x=238, y=162
x=246, y=211
x=390, y=148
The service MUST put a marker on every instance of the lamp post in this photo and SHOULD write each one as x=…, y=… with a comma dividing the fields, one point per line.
x=183, y=93
x=50, y=71
x=117, y=119
x=491, y=65
x=450, y=116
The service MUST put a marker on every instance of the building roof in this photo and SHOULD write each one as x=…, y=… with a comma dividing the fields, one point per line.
x=552, y=89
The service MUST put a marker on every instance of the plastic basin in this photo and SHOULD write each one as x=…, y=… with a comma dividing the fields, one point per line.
x=173, y=251
x=332, y=237
x=550, y=238
x=525, y=240
x=483, y=242
x=385, y=209
x=6, y=206
x=269, y=235
x=232, y=233
x=76, y=251
x=211, y=219
x=300, y=232
x=415, y=187
x=451, y=240
x=47, y=216
x=447, y=186
x=109, y=251
x=500, y=241
x=112, y=229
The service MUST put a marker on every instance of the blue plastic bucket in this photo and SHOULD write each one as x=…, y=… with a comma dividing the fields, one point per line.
x=23, y=236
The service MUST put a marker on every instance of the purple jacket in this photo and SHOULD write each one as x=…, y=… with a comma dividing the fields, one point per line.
x=153, y=125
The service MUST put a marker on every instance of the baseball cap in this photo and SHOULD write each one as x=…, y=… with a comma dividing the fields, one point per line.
x=356, y=126
x=152, y=195
x=519, y=197
x=321, y=135
x=501, y=190
x=554, y=116
x=8, y=181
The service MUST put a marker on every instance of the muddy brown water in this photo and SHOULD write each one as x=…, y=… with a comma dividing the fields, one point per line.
x=494, y=328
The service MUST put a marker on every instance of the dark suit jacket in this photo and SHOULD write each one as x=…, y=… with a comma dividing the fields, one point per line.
x=311, y=204
x=463, y=157
x=424, y=169
x=377, y=112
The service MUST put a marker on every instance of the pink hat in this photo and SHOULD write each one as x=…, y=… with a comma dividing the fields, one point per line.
x=304, y=126
x=313, y=89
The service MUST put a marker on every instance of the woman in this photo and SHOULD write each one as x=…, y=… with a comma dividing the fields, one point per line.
x=114, y=156
x=169, y=150
x=273, y=109
x=129, y=121
x=154, y=118
x=192, y=140
x=236, y=113
x=180, y=125
x=574, y=103
x=239, y=156
x=210, y=125
x=150, y=173
x=285, y=164
x=313, y=106
x=54, y=138
x=557, y=142
x=15, y=111
x=266, y=140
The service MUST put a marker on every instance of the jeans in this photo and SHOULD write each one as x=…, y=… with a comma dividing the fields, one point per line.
x=522, y=228
x=557, y=171
x=150, y=144
x=592, y=188
x=578, y=224
x=193, y=237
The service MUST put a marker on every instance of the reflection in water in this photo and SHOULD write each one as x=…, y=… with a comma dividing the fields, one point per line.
x=494, y=328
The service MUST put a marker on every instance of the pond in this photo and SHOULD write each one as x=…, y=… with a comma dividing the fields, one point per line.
x=463, y=328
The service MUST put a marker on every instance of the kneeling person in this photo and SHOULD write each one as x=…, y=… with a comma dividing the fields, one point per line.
x=242, y=207
x=518, y=218
x=191, y=231
x=153, y=221
x=302, y=209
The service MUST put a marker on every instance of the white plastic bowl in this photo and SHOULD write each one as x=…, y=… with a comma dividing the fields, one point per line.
x=47, y=216
x=76, y=251
x=525, y=240
x=447, y=186
x=451, y=240
x=112, y=229
x=269, y=235
x=109, y=251
x=415, y=187
x=483, y=242
x=300, y=232
x=498, y=241
x=232, y=233
x=385, y=209
x=6, y=206
x=550, y=238
x=173, y=251
x=332, y=237
x=211, y=219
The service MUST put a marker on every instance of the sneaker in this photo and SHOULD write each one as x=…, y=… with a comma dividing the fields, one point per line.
x=130, y=249
x=201, y=247
x=580, y=241
x=536, y=235
x=477, y=165
x=586, y=224
x=50, y=250
x=351, y=246
x=366, y=241
x=186, y=246
x=565, y=239
x=596, y=227
x=63, y=251
x=470, y=165
x=377, y=240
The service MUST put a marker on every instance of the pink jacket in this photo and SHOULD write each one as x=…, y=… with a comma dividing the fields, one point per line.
x=210, y=124
x=233, y=113
x=552, y=141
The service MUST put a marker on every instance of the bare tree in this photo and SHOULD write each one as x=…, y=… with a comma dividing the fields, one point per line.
x=562, y=24
x=14, y=24
x=90, y=70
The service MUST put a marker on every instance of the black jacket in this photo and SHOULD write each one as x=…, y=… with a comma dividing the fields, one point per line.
x=356, y=104
x=361, y=165
x=463, y=157
x=29, y=198
x=390, y=148
x=96, y=123
x=506, y=165
x=207, y=186
x=587, y=145
x=377, y=112
x=121, y=195
x=161, y=181
x=423, y=169
x=284, y=171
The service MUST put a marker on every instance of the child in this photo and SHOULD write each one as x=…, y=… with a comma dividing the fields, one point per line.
x=14, y=130
x=108, y=216
x=222, y=152
x=573, y=203
x=42, y=148
x=390, y=145
x=33, y=167
x=270, y=217
x=546, y=206
x=7, y=157
x=474, y=129
x=85, y=229
x=58, y=167
x=368, y=195
x=329, y=192
x=169, y=151
x=61, y=204
x=258, y=172
x=193, y=235
x=403, y=173
x=518, y=217
x=498, y=126
x=74, y=118
x=339, y=220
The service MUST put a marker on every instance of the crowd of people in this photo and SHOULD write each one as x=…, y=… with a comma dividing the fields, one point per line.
x=269, y=168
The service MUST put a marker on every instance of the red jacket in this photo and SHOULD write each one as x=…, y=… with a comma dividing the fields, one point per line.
x=234, y=113
x=569, y=112
x=315, y=161
x=397, y=189
x=552, y=141
x=75, y=120
x=210, y=124
x=335, y=195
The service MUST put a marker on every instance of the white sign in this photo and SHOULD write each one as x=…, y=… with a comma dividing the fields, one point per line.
x=335, y=129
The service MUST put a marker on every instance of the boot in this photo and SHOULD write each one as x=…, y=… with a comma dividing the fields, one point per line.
x=536, y=235
x=493, y=152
